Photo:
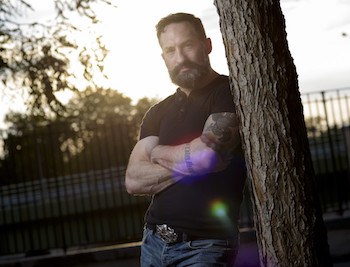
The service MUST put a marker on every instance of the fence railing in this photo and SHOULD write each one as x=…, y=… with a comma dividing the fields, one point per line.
x=327, y=116
x=62, y=188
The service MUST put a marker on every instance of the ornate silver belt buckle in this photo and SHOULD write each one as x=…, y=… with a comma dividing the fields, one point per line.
x=166, y=233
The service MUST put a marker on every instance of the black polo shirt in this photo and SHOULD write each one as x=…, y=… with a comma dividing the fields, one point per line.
x=205, y=205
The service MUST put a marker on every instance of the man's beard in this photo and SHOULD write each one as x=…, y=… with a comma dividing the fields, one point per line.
x=191, y=77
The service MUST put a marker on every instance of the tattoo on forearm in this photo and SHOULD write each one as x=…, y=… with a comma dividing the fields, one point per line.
x=222, y=126
x=189, y=163
x=218, y=131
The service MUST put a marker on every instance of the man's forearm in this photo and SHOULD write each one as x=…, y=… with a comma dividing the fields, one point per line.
x=144, y=177
x=192, y=158
x=147, y=178
x=209, y=153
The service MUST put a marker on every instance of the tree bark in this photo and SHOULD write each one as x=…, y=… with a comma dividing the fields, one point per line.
x=288, y=218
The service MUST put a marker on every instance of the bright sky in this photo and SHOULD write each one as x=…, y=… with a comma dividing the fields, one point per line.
x=314, y=30
x=135, y=66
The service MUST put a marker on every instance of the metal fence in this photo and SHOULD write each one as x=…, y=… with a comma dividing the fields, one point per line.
x=61, y=187
x=327, y=116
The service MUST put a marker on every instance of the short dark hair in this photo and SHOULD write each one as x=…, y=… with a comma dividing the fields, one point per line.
x=181, y=17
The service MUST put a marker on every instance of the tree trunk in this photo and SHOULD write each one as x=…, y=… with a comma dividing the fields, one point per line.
x=288, y=218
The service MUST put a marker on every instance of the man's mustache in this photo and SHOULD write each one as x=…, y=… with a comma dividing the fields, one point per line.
x=186, y=64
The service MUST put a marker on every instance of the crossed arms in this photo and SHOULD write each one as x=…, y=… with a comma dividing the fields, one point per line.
x=153, y=167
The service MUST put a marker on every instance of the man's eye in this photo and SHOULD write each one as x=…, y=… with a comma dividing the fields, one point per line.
x=169, y=51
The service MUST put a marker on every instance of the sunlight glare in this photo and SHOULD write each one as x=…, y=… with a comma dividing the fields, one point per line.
x=134, y=65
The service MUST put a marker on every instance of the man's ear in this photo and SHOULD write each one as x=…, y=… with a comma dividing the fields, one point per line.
x=208, y=45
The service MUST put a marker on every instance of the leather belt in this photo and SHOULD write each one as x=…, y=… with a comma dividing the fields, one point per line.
x=169, y=235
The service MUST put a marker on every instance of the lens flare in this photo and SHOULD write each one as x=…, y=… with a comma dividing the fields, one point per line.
x=219, y=209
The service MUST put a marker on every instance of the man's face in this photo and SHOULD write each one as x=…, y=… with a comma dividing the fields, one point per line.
x=185, y=55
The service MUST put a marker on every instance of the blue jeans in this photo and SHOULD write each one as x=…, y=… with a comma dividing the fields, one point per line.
x=200, y=253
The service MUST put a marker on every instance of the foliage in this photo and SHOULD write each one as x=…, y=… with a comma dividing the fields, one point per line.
x=35, y=57
x=314, y=125
x=98, y=131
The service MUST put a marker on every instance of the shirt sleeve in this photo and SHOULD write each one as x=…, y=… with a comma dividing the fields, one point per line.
x=149, y=124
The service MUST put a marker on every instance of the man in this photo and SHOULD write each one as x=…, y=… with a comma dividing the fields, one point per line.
x=189, y=157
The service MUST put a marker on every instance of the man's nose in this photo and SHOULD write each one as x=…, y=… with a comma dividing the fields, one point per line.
x=180, y=56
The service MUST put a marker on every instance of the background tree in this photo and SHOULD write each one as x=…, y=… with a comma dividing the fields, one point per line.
x=101, y=120
x=98, y=131
x=38, y=59
x=35, y=56
x=264, y=85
